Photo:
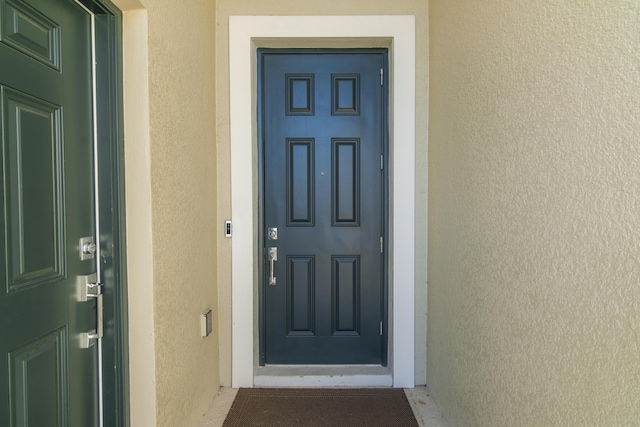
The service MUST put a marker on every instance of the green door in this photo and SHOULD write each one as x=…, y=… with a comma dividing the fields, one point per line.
x=47, y=378
x=323, y=130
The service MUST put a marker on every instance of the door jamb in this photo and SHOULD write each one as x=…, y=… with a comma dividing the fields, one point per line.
x=110, y=199
x=246, y=34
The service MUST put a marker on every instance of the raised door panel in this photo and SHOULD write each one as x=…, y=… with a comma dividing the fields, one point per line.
x=345, y=94
x=301, y=295
x=34, y=204
x=38, y=381
x=299, y=94
x=346, y=295
x=300, y=182
x=29, y=31
x=345, y=184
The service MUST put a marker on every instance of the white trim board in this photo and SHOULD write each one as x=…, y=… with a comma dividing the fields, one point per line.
x=246, y=34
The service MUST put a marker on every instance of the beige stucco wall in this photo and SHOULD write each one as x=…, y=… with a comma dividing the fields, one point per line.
x=534, y=212
x=170, y=153
x=226, y=8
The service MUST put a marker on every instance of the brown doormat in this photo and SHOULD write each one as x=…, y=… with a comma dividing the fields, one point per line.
x=320, y=407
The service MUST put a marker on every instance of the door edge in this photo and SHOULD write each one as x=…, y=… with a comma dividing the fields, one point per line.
x=111, y=193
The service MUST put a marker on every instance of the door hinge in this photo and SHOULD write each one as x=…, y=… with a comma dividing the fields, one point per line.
x=381, y=328
x=381, y=161
x=381, y=244
x=381, y=77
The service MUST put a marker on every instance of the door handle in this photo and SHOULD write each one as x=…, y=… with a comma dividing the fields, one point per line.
x=273, y=257
x=91, y=288
x=88, y=339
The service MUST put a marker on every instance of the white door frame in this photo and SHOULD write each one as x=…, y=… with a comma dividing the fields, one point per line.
x=246, y=35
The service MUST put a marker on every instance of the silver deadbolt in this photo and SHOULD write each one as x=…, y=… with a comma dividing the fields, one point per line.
x=273, y=233
x=87, y=248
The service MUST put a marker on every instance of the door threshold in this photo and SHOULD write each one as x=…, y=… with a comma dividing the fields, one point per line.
x=323, y=376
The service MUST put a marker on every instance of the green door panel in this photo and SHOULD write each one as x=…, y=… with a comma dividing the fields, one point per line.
x=48, y=203
x=323, y=133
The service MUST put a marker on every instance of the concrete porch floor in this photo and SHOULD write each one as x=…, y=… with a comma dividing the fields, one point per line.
x=424, y=408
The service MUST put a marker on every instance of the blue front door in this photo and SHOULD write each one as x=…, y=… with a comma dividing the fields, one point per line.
x=323, y=134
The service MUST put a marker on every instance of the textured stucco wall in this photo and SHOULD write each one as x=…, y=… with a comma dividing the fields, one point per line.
x=534, y=212
x=226, y=8
x=181, y=154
